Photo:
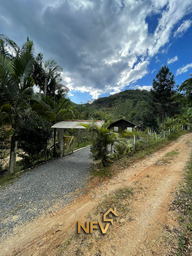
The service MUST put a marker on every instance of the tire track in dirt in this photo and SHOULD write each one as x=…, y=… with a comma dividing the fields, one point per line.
x=149, y=212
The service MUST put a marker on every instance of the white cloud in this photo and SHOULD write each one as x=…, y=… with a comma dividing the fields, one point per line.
x=103, y=46
x=157, y=60
x=153, y=71
x=183, y=69
x=175, y=11
x=70, y=94
x=183, y=28
x=145, y=87
x=172, y=60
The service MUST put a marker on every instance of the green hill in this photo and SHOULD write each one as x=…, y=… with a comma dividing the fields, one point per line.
x=130, y=104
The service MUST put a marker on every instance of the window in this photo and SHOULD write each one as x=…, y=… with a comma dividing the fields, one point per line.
x=116, y=129
x=129, y=129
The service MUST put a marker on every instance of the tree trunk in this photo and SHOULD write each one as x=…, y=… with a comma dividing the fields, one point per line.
x=12, y=155
x=54, y=149
x=45, y=88
x=163, y=123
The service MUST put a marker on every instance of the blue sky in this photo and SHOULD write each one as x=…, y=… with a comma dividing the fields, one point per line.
x=105, y=46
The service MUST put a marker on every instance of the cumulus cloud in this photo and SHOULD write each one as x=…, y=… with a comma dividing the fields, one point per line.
x=103, y=46
x=172, y=60
x=145, y=87
x=183, y=28
x=183, y=69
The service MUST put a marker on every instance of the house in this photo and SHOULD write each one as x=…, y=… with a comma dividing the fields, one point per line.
x=121, y=125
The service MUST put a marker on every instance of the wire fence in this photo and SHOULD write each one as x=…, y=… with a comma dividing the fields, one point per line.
x=140, y=139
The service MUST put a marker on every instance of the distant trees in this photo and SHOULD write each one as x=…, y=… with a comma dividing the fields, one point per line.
x=162, y=92
x=186, y=90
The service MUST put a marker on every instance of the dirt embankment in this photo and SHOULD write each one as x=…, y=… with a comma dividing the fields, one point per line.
x=141, y=231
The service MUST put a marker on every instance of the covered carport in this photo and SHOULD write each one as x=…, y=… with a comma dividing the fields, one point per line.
x=63, y=126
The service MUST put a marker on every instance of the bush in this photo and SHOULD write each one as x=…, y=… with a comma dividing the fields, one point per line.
x=33, y=134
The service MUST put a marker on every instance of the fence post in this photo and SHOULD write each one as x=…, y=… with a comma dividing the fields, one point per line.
x=156, y=136
x=134, y=142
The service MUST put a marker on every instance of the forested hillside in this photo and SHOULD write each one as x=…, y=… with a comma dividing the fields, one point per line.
x=130, y=104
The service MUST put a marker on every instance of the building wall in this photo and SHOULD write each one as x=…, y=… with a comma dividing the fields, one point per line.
x=121, y=124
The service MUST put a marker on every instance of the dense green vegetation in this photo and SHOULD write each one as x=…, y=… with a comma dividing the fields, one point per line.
x=28, y=116
x=130, y=104
x=23, y=110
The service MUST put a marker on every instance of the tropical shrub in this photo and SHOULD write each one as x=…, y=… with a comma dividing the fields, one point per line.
x=33, y=134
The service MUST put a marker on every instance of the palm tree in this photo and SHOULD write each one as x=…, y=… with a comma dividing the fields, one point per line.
x=101, y=139
x=47, y=76
x=62, y=109
x=16, y=89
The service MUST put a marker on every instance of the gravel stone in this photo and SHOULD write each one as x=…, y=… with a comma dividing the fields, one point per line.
x=39, y=189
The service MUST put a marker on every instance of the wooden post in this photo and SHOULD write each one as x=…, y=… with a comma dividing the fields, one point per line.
x=54, y=138
x=156, y=136
x=61, y=133
x=134, y=142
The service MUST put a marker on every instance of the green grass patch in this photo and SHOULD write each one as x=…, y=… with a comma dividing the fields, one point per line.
x=8, y=179
x=172, y=153
x=118, y=199
x=102, y=173
x=183, y=204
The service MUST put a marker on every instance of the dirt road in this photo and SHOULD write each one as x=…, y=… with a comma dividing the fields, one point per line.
x=140, y=232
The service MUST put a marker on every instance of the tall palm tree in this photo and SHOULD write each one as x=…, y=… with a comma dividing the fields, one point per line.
x=47, y=76
x=16, y=88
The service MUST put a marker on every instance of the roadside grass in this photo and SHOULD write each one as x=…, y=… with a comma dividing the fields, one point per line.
x=127, y=160
x=183, y=205
x=172, y=153
x=102, y=173
x=118, y=199
x=167, y=158
x=8, y=179
x=184, y=202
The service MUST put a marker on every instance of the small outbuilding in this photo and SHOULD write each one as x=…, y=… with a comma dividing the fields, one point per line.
x=121, y=125
x=63, y=126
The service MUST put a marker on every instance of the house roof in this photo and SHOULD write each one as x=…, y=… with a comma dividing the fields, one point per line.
x=122, y=120
x=74, y=124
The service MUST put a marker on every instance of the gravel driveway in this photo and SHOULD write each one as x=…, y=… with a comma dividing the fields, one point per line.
x=41, y=188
